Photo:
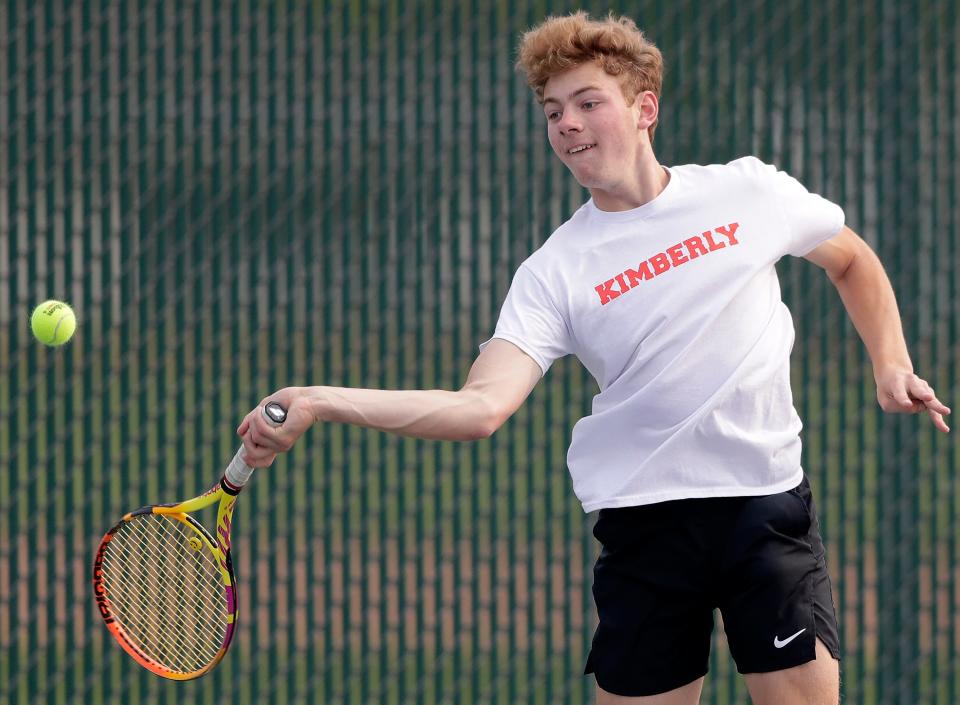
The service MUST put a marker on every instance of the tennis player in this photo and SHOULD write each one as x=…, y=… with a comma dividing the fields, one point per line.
x=663, y=285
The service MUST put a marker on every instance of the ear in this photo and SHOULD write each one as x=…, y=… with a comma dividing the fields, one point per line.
x=648, y=108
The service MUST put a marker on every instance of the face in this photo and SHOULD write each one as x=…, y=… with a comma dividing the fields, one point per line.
x=593, y=131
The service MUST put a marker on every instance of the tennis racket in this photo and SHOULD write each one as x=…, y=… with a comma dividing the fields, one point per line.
x=165, y=587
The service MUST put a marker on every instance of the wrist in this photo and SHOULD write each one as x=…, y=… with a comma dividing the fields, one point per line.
x=317, y=403
x=886, y=368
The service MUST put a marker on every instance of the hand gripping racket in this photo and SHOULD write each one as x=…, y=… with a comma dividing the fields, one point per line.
x=165, y=588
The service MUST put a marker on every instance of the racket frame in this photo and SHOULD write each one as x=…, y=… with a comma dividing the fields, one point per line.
x=224, y=493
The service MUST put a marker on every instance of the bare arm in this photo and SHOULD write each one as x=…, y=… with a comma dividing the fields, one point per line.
x=869, y=299
x=499, y=381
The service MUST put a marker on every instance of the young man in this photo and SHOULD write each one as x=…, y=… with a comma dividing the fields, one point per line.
x=663, y=285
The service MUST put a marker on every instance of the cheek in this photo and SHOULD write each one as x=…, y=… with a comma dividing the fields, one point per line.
x=551, y=137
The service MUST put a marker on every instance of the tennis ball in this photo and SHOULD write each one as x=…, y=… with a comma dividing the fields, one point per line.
x=53, y=322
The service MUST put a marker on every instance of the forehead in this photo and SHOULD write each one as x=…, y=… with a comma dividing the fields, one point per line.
x=561, y=85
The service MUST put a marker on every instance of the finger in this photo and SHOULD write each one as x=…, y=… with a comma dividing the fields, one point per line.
x=920, y=389
x=917, y=401
x=262, y=461
x=256, y=456
x=935, y=404
x=250, y=447
x=268, y=435
x=250, y=457
x=938, y=421
x=242, y=428
x=904, y=402
x=923, y=395
x=259, y=439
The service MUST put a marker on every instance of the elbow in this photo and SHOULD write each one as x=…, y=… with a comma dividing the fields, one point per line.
x=483, y=415
x=857, y=259
x=486, y=420
x=838, y=274
x=485, y=427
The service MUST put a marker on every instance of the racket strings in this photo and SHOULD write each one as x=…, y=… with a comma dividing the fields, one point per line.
x=162, y=593
x=158, y=615
x=180, y=578
x=168, y=596
x=180, y=584
x=154, y=628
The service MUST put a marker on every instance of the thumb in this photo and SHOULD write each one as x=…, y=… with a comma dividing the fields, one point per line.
x=899, y=393
x=903, y=399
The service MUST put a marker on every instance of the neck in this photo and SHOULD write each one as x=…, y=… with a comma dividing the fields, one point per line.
x=645, y=183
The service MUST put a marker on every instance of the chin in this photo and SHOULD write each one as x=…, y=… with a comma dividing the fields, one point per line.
x=585, y=180
x=592, y=184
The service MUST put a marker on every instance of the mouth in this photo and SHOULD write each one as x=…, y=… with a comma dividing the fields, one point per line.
x=580, y=148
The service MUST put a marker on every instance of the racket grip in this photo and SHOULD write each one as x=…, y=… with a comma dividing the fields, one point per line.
x=238, y=472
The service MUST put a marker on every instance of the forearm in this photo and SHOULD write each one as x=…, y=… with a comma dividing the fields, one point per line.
x=870, y=301
x=431, y=414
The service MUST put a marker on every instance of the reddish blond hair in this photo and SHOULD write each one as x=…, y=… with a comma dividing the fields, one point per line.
x=615, y=44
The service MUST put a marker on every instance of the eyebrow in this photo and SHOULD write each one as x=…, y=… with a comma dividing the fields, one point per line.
x=551, y=99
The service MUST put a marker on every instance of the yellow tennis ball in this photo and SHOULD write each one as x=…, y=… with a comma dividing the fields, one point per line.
x=53, y=322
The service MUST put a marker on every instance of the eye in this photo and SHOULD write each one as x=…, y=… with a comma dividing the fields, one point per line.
x=589, y=104
x=553, y=115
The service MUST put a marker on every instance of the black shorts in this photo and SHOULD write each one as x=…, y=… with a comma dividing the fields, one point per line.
x=665, y=567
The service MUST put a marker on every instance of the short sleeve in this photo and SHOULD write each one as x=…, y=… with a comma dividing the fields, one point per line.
x=530, y=320
x=810, y=218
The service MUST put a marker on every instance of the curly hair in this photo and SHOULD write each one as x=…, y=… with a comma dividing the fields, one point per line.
x=616, y=44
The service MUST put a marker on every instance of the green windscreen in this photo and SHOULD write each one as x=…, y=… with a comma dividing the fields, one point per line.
x=241, y=196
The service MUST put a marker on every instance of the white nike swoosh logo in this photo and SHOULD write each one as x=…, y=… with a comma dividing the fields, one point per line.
x=777, y=644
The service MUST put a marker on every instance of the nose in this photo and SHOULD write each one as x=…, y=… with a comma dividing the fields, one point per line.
x=568, y=123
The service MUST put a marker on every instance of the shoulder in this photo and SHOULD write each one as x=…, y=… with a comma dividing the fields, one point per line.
x=751, y=166
x=746, y=168
x=745, y=177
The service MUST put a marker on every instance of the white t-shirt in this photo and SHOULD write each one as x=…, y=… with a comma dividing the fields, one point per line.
x=674, y=308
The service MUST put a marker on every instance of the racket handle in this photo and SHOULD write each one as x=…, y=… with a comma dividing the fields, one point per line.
x=238, y=472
